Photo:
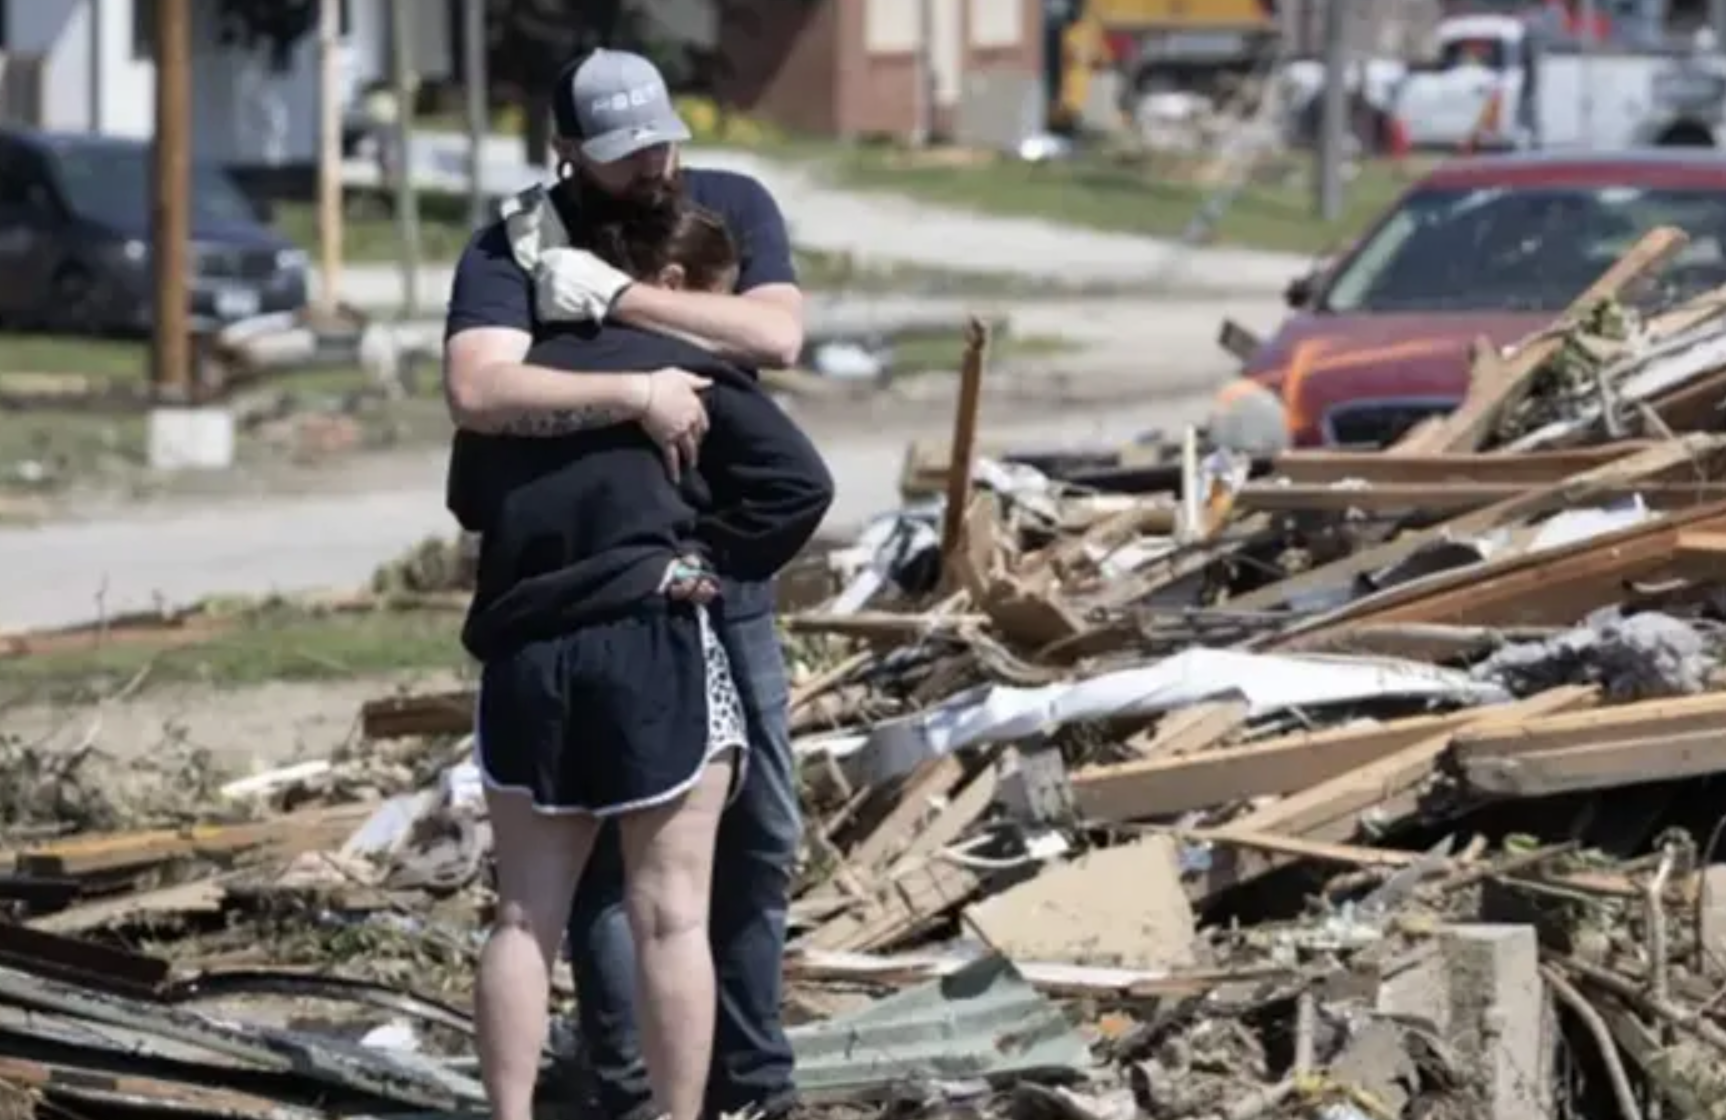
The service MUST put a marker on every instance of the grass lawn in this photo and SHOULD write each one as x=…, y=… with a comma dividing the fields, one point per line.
x=272, y=643
x=1120, y=195
x=46, y=449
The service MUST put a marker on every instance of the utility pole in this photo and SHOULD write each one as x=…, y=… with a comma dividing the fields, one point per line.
x=924, y=89
x=473, y=64
x=329, y=154
x=407, y=201
x=1333, y=122
x=170, y=207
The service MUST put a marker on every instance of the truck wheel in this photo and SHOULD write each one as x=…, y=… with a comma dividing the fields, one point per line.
x=1686, y=134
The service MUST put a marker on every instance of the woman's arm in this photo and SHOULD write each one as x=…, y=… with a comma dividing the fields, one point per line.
x=770, y=489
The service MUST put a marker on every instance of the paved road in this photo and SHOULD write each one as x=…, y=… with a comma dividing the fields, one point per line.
x=886, y=229
x=1153, y=365
x=65, y=573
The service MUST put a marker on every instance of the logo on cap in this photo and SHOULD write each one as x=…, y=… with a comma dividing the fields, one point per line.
x=628, y=99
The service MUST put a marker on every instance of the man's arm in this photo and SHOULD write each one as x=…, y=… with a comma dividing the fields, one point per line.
x=489, y=388
x=763, y=326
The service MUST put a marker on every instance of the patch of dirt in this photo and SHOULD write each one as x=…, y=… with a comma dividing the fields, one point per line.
x=243, y=730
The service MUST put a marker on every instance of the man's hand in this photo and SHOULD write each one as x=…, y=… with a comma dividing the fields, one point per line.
x=573, y=285
x=673, y=415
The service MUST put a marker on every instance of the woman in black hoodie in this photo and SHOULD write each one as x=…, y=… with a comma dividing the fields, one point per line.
x=605, y=691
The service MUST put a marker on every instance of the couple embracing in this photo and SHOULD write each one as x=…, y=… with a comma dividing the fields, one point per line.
x=635, y=491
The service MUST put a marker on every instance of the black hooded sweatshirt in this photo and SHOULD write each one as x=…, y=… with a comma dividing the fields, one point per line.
x=579, y=528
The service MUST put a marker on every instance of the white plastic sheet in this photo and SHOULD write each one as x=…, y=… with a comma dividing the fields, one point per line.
x=1266, y=682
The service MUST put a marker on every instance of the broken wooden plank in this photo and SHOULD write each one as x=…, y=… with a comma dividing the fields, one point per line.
x=903, y=907
x=1388, y=789
x=1648, y=741
x=1450, y=498
x=1528, y=468
x=1317, y=851
x=1143, y=790
x=1053, y=977
x=1691, y=456
x=107, y=853
x=1674, y=716
x=1630, y=761
x=1196, y=727
x=1552, y=587
x=204, y=896
x=437, y=713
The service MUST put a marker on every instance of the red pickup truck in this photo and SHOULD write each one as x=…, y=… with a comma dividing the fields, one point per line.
x=1483, y=248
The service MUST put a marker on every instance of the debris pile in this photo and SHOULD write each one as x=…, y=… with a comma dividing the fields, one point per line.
x=1334, y=785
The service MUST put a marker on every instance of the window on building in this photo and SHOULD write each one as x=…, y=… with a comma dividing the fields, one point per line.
x=143, y=29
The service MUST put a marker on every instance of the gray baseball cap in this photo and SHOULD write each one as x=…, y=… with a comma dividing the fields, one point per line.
x=615, y=104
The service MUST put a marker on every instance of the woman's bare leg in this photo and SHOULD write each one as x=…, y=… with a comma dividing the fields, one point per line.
x=668, y=882
x=539, y=861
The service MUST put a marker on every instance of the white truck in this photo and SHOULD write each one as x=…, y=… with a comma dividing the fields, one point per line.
x=1499, y=82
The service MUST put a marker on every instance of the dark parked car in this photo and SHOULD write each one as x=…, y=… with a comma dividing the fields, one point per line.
x=75, y=240
x=1487, y=248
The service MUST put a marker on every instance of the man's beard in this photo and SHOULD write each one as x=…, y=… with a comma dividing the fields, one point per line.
x=586, y=203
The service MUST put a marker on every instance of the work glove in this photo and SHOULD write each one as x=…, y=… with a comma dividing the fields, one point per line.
x=569, y=285
x=573, y=285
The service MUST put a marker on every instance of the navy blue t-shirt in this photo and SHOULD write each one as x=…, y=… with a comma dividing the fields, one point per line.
x=491, y=290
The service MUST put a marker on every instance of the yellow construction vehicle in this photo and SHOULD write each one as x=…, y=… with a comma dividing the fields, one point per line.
x=1154, y=45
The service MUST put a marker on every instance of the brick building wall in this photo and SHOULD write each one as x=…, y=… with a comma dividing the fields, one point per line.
x=852, y=68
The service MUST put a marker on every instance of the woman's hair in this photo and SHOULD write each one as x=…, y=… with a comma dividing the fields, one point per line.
x=676, y=232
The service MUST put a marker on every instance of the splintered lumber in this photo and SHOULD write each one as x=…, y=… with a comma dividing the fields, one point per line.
x=1197, y=727
x=1555, y=586
x=109, y=853
x=964, y=440
x=1448, y=497
x=439, y=713
x=1648, y=741
x=1163, y=787
x=1497, y=385
x=1374, y=468
x=1385, y=790
x=1692, y=405
x=1694, y=456
x=1051, y=977
x=911, y=902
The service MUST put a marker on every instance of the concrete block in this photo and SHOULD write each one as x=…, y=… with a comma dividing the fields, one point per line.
x=1483, y=993
x=1713, y=924
x=191, y=439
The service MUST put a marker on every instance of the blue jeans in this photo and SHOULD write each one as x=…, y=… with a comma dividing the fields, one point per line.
x=758, y=839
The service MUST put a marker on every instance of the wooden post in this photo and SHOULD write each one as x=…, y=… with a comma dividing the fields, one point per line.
x=329, y=155
x=964, y=442
x=407, y=200
x=170, y=206
x=473, y=68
